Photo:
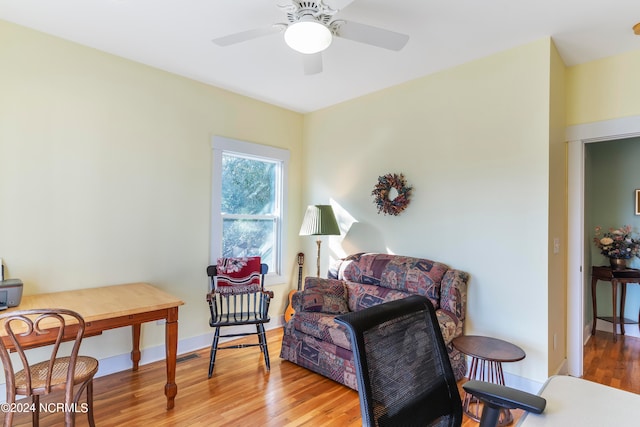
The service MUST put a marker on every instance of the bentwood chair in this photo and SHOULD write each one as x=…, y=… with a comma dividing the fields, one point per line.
x=237, y=298
x=404, y=374
x=20, y=331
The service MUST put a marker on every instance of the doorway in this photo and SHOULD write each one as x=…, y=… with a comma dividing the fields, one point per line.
x=577, y=277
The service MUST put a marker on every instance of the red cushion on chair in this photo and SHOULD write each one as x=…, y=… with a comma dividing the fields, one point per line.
x=243, y=274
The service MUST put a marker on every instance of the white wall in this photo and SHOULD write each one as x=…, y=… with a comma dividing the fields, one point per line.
x=474, y=143
x=105, y=175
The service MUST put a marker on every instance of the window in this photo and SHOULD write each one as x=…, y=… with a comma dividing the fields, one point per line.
x=248, y=193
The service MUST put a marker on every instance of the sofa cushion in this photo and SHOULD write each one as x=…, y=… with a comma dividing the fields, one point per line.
x=330, y=285
x=407, y=274
x=363, y=296
x=323, y=327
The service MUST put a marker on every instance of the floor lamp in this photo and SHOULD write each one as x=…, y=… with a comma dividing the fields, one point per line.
x=319, y=220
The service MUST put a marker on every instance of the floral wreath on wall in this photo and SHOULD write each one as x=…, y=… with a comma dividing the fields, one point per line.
x=382, y=192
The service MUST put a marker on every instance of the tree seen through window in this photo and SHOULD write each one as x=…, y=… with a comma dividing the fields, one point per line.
x=248, y=206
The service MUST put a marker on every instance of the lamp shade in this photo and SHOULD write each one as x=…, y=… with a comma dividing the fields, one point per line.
x=319, y=220
x=308, y=36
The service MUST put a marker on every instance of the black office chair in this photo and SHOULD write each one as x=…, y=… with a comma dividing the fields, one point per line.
x=404, y=373
x=240, y=300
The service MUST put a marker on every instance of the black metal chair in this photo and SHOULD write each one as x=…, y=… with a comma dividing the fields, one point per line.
x=404, y=373
x=240, y=303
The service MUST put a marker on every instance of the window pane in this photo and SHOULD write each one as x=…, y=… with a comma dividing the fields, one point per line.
x=249, y=237
x=248, y=186
x=248, y=189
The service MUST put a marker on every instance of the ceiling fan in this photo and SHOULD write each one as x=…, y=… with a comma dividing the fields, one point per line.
x=310, y=30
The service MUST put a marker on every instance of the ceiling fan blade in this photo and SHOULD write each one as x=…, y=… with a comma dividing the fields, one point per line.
x=370, y=35
x=312, y=63
x=248, y=35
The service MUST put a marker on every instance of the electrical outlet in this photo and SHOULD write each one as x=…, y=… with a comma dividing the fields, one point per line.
x=556, y=245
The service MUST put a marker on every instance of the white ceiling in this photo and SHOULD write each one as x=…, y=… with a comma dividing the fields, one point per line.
x=175, y=35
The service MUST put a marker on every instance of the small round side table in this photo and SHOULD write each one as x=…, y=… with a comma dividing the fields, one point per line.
x=487, y=355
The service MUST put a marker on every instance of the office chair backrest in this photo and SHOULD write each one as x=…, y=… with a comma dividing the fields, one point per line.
x=404, y=373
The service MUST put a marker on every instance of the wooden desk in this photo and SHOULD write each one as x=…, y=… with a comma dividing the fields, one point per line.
x=487, y=355
x=629, y=275
x=577, y=402
x=111, y=307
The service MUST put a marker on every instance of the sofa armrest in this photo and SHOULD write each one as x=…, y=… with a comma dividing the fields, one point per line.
x=322, y=296
x=296, y=301
x=453, y=293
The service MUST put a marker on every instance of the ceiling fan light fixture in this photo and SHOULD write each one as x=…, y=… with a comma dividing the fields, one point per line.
x=308, y=36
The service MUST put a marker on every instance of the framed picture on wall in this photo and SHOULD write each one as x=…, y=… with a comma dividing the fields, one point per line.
x=637, y=202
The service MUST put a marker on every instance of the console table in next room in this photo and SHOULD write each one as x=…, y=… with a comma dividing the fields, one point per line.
x=606, y=274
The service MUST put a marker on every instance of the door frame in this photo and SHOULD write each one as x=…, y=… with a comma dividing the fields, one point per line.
x=577, y=137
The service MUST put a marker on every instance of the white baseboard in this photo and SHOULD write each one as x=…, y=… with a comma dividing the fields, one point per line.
x=563, y=369
x=630, y=329
x=586, y=334
x=122, y=362
x=521, y=383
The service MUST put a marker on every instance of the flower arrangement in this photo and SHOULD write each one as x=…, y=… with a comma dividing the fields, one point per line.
x=617, y=243
x=382, y=191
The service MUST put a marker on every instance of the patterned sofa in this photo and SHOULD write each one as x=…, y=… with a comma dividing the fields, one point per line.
x=313, y=339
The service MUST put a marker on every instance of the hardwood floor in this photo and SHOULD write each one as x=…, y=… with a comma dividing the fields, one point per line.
x=242, y=393
x=613, y=364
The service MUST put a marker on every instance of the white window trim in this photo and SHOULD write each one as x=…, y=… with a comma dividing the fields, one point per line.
x=220, y=144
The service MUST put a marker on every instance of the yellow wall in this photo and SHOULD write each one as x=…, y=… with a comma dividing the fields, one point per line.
x=473, y=141
x=105, y=174
x=105, y=177
x=604, y=89
x=557, y=283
